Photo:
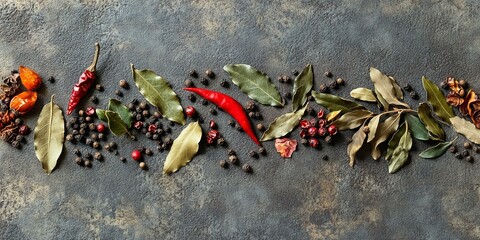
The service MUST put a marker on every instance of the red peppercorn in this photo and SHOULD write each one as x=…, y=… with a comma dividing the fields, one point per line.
x=138, y=125
x=101, y=128
x=322, y=122
x=322, y=131
x=210, y=140
x=190, y=111
x=320, y=113
x=213, y=134
x=24, y=130
x=152, y=128
x=332, y=130
x=312, y=131
x=136, y=155
x=90, y=111
x=303, y=133
x=213, y=125
x=313, y=122
x=313, y=142
x=304, y=124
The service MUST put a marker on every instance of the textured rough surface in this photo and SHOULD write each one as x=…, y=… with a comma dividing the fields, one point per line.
x=297, y=198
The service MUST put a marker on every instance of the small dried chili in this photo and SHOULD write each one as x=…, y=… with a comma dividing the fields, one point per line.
x=229, y=105
x=84, y=83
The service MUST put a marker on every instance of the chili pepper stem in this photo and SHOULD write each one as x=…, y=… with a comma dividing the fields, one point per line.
x=93, y=66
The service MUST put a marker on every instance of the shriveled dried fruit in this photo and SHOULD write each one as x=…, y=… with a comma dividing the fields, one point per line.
x=285, y=146
x=23, y=102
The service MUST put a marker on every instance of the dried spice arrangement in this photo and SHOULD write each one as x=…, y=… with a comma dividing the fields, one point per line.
x=396, y=125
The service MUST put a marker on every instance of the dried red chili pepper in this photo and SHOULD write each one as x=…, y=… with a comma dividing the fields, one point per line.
x=84, y=83
x=229, y=105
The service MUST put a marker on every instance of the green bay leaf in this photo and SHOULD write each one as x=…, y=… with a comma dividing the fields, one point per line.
x=283, y=124
x=121, y=110
x=418, y=129
x=301, y=87
x=384, y=85
x=115, y=123
x=363, y=94
x=101, y=115
x=436, y=98
x=399, y=156
x=437, y=150
x=466, y=128
x=353, y=119
x=49, y=136
x=394, y=140
x=184, y=148
x=255, y=84
x=335, y=103
x=158, y=92
x=357, y=142
x=385, y=129
x=425, y=115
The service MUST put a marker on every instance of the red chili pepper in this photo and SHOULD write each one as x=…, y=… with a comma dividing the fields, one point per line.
x=84, y=83
x=229, y=105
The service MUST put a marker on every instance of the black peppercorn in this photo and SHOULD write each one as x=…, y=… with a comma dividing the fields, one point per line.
x=469, y=159
x=188, y=83
x=462, y=83
x=79, y=160
x=204, y=81
x=99, y=88
x=89, y=141
x=97, y=156
x=94, y=99
x=133, y=137
x=155, y=136
x=221, y=141
x=92, y=126
x=407, y=87
x=332, y=85
x=247, y=168
x=467, y=145
x=224, y=83
x=123, y=159
x=260, y=127
x=130, y=106
x=18, y=121
x=169, y=130
x=251, y=114
x=78, y=138
x=77, y=152
x=123, y=84
x=193, y=73
x=168, y=141
x=148, y=152
x=328, y=139
x=112, y=145
x=118, y=93
x=145, y=113
x=223, y=164
x=328, y=74
x=160, y=131
x=139, y=117
x=231, y=152
x=476, y=149
x=81, y=131
x=210, y=73
x=304, y=141
x=69, y=137
x=323, y=88
x=233, y=159
x=192, y=98
x=19, y=138
x=281, y=79
x=148, y=135
x=294, y=72
x=340, y=81
x=413, y=95
x=262, y=151
x=51, y=79
x=101, y=136
x=453, y=149
x=143, y=105
x=213, y=111
x=238, y=128
x=325, y=158
x=253, y=154
x=88, y=156
x=465, y=153
x=16, y=144
x=88, y=163
x=96, y=145
x=231, y=123
x=204, y=102
x=250, y=106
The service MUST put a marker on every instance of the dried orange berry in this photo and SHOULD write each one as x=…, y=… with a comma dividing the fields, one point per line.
x=23, y=102
x=30, y=79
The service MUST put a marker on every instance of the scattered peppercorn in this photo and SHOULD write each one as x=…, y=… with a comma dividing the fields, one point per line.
x=143, y=105
x=78, y=138
x=210, y=73
x=123, y=84
x=304, y=141
x=340, y=81
x=231, y=123
x=148, y=152
x=247, y=168
x=16, y=144
x=413, y=95
x=118, y=93
x=224, y=83
x=193, y=73
x=465, y=153
x=251, y=114
x=107, y=147
x=94, y=99
x=233, y=159
x=223, y=164
x=112, y=145
x=253, y=154
x=332, y=85
x=325, y=158
x=188, y=83
x=238, y=128
x=89, y=141
x=101, y=136
x=458, y=155
x=98, y=156
x=77, y=152
x=328, y=74
x=204, y=81
x=260, y=127
x=407, y=87
x=221, y=141
x=294, y=72
x=204, y=102
x=328, y=139
x=262, y=151
x=231, y=152
x=467, y=145
x=453, y=149
x=99, y=87
x=51, y=79
x=462, y=83
x=69, y=137
x=250, y=106
x=477, y=149
x=88, y=163
x=323, y=88
x=213, y=111
x=444, y=84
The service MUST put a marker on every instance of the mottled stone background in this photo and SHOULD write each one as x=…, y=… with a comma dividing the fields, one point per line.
x=301, y=198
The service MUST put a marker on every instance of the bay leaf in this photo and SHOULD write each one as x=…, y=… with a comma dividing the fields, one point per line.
x=115, y=123
x=335, y=103
x=363, y=94
x=332, y=115
x=255, y=84
x=158, y=92
x=393, y=143
x=425, y=115
x=101, y=115
x=121, y=110
x=398, y=89
x=437, y=150
x=49, y=135
x=385, y=129
x=384, y=86
x=418, y=129
x=382, y=101
x=283, y=124
x=438, y=101
x=357, y=142
x=373, y=126
x=400, y=155
x=184, y=148
x=352, y=120
x=466, y=128
x=301, y=87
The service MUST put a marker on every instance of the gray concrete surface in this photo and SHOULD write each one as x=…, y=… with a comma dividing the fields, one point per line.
x=301, y=198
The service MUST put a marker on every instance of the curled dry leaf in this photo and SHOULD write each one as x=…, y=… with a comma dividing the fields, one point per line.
x=335, y=103
x=425, y=115
x=381, y=101
x=372, y=127
x=385, y=129
x=184, y=148
x=436, y=98
x=466, y=128
x=399, y=155
x=398, y=89
x=283, y=125
x=384, y=85
x=255, y=84
x=285, y=146
x=357, y=142
x=363, y=94
x=352, y=120
x=301, y=87
x=49, y=136
x=333, y=115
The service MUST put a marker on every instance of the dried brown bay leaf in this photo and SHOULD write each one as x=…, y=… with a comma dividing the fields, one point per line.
x=399, y=155
x=301, y=87
x=438, y=101
x=385, y=129
x=353, y=119
x=49, y=136
x=384, y=85
x=283, y=125
x=255, y=84
x=335, y=103
x=184, y=148
x=363, y=94
x=425, y=115
x=158, y=92
x=372, y=127
x=466, y=128
x=357, y=142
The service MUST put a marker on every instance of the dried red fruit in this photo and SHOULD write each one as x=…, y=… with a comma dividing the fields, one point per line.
x=24, y=130
x=332, y=130
x=304, y=133
x=213, y=134
x=322, y=122
x=101, y=128
x=305, y=124
x=30, y=79
x=138, y=125
x=312, y=131
x=212, y=124
x=285, y=146
x=321, y=113
x=90, y=111
x=314, y=143
x=322, y=131
x=152, y=128
x=23, y=102
x=190, y=111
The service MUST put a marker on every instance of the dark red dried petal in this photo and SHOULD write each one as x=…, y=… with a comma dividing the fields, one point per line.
x=304, y=124
x=213, y=134
x=321, y=113
x=152, y=128
x=138, y=125
x=90, y=111
x=322, y=122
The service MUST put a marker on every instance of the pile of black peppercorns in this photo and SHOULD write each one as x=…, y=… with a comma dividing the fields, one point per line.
x=465, y=153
